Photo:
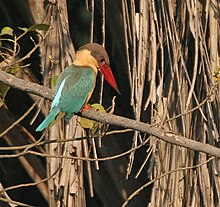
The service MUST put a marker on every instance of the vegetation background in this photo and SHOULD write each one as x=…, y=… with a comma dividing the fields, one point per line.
x=165, y=57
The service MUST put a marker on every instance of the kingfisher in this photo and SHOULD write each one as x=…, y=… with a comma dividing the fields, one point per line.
x=76, y=83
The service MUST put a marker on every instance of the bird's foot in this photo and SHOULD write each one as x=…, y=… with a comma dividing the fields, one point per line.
x=86, y=107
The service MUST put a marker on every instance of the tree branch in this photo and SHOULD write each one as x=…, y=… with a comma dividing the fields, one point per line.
x=25, y=85
x=113, y=119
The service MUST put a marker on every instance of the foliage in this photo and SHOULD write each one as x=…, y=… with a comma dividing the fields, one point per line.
x=10, y=48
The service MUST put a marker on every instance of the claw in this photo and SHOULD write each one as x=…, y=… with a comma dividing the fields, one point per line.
x=86, y=107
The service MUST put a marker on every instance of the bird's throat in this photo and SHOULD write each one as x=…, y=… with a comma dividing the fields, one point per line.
x=84, y=58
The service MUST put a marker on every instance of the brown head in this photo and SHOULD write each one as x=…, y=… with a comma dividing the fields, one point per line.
x=102, y=61
x=98, y=52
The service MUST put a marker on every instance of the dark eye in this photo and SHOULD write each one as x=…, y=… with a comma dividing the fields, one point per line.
x=102, y=61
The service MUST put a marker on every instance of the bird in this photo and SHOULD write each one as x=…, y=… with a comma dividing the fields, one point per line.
x=75, y=85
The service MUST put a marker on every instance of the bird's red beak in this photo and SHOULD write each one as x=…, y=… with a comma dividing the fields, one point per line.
x=109, y=77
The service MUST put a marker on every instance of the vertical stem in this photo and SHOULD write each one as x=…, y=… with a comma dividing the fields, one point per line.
x=102, y=77
x=92, y=22
x=103, y=44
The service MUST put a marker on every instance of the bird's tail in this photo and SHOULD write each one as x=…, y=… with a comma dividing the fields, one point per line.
x=50, y=117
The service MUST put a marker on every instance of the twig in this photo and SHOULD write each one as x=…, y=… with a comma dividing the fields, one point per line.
x=17, y=203
x=27, y=151
x=19, y=120
x=28, y=184
x=6, y=196
x=189, y=111
x=161, y=176
x=105, y=134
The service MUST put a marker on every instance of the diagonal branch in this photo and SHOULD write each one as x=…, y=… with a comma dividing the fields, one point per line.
x=25, y=85
x=114, y=119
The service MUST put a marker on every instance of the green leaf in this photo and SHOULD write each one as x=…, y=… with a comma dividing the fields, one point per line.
x=23, y=29
x=5, y=88
x=13, y=70
x=35, y=27
x=1, y=102
x=54, y=79
x=98, y=107
x=7, y=31
x=86, y=123
x=91, y=124
x=3, y=91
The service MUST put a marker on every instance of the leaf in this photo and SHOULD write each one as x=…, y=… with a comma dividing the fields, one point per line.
x=13, y=70
x=91, y=124
x=23, y=29
x=54, y=79
x=7, y=31
x=86, y=123
x=35, y=27
x=3, y=91
x=1, y=102
x=98, y=107
x=5, y=88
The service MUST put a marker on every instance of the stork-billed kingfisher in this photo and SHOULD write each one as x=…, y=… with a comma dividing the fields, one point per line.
x=76, y=83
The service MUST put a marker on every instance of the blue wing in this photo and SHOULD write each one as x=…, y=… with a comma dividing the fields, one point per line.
x=73, y=88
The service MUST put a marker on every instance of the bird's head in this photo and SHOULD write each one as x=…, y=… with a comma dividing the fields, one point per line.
x=102, y=62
